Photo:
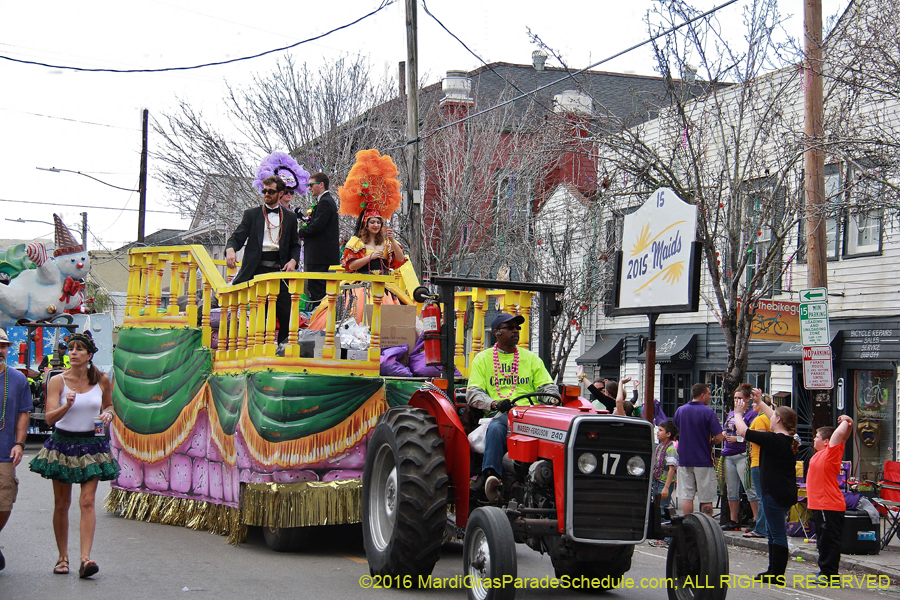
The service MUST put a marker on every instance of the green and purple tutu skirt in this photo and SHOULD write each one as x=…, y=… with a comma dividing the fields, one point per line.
x=75, y=457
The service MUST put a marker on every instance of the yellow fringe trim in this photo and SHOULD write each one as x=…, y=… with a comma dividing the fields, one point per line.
x=317, y=447
x=302, y=504
x=223, y=441
x=157, y=446
x=217, y=519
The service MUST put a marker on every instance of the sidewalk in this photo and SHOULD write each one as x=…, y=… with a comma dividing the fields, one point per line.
x=885, y=563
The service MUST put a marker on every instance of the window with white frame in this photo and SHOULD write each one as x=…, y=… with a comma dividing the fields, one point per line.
x=863, y=227
x=833, y=196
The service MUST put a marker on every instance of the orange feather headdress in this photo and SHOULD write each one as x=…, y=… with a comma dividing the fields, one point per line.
x=371, y=187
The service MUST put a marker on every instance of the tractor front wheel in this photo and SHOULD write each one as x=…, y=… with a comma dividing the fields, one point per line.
x=697, y=560
x=489, y=555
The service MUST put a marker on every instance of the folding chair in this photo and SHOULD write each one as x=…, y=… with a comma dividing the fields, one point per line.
x=888, y=502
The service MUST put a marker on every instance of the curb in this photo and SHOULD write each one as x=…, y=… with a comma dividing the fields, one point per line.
x=810, y=554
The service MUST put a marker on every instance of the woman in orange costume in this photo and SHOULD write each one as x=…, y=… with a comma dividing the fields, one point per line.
x=372, y=194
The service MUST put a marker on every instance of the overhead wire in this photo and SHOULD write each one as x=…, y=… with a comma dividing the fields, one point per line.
x=571, y=75
x=67, y=205
x=384, y=4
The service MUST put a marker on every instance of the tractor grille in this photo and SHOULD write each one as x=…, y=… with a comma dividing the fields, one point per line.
x=609, y=504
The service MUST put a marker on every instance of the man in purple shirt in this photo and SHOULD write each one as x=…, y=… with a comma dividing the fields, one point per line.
x=15, y=404
x=698, y=431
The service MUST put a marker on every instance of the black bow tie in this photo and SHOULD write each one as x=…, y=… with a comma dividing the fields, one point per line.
x=272, y=210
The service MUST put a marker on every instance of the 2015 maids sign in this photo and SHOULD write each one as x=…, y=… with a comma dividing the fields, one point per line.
x=658, y=266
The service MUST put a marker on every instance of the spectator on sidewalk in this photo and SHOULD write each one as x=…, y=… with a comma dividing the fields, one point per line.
x=665, y=463
x=698, y=429
x=760, y=423
x=14, y=417
x=824, y=496
x=778, y=453
x=734, y=451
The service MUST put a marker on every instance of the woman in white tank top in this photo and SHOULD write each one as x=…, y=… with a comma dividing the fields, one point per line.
x=78, y=451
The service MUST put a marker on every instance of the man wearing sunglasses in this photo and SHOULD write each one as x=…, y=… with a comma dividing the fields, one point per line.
x=497, y=376
x=273, y=245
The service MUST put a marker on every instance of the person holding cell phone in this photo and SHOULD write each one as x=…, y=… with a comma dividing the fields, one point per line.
x=734, y=451
x=79, y=406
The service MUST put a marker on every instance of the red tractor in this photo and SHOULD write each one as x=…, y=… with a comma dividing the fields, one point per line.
x=576, y=485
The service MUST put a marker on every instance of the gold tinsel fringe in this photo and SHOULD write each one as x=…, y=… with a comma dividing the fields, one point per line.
x=216, y=518
x=157, y=446
x=223, y=441
x=302, y=504
x=317, y=447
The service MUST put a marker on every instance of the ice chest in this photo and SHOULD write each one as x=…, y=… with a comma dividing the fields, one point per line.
x=860, y=536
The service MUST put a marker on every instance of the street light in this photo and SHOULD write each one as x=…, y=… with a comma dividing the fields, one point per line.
x=55, y=170
x=83, y=225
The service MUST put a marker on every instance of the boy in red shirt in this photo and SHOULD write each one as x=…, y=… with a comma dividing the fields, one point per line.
x=824, y=496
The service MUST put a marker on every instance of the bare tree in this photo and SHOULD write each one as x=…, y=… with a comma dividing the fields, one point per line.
x=481, y=182
x=322, y=117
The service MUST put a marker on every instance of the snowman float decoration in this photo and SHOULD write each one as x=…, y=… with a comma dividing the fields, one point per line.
x=55, y=286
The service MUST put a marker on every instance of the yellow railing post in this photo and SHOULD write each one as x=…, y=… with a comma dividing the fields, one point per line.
x=525, y=299
x=375, y=326
x=191, y=291
x=174, y=282
x=461, y=304
x=242, y=323
x=148, y=272
x=271, y=288
x=232, y=326
x=204, y=318
x=479, y=297
x=293, y=287
x=134, y=284
x=222, y=350
x=331, y=293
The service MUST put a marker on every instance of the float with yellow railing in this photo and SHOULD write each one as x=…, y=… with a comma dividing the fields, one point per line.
x=219, y=432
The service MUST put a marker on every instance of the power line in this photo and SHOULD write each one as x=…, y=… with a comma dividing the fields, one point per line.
x=23, y=112
x=570, y=75
x=167, y=212
x=384, y=4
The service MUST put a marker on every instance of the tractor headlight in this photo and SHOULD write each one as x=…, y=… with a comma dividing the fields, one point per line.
x=635, y=466
x=587, y=462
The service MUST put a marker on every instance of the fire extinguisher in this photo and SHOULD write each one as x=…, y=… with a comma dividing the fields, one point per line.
x=431, y=316
x=23, y=350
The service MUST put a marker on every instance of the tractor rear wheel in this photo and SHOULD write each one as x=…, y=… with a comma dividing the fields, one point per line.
x=405, y=487
x=702, y=557
x=489, y=552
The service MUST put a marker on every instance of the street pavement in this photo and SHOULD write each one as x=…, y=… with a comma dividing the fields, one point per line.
x=151, y=561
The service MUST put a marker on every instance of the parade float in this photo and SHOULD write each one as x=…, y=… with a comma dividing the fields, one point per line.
x=215, y=430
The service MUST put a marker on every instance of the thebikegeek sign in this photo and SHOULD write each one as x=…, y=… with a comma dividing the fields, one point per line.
x=658, y=268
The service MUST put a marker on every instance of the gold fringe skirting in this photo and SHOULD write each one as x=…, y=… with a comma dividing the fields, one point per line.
x=318, y=446
x=183, y=512
x=157, y=446
x=302, y=504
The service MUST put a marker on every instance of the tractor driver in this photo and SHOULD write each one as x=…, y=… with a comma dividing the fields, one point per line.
x=496, y=376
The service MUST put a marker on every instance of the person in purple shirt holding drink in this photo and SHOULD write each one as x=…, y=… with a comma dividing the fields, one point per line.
x=735, y=452
x=698, y=430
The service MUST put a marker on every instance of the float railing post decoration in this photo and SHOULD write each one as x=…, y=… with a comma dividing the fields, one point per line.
x=331, y=293
x=460, y=305
x=479, y=297
x=525, y=300
x=294, y=286
x=375, y=326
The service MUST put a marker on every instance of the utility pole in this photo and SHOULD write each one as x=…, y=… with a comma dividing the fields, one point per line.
x=414, y=194
x=142, y=186
x=84, y=230
x=814, y=184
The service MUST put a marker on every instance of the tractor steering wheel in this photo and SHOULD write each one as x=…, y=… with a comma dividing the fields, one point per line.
x=551, y=399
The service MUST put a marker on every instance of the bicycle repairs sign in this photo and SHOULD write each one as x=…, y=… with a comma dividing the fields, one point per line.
x=818, y=373
x=776, y=320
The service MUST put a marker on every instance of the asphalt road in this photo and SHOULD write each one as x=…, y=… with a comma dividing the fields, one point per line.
x=151, y=561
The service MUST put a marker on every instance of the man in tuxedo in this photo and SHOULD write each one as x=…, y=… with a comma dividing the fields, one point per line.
x=270, y=232
x=321, y=246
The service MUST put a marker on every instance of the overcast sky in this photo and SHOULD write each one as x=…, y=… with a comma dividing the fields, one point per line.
x=90, y=122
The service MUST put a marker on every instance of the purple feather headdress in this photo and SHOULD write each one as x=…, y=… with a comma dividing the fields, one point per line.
x=282, y=164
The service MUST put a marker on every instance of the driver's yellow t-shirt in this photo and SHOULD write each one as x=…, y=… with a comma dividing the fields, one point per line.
x=531, y=375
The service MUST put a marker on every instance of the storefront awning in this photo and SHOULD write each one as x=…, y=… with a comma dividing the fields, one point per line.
x=675, y=348
x=791, y=353
x=603, y=352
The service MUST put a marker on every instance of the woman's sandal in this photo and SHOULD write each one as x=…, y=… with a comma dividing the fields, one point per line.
x=62, y=566
x=88, y=568
x=753, y=534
